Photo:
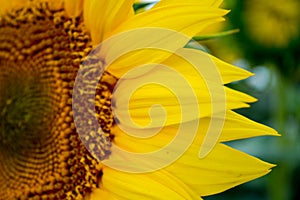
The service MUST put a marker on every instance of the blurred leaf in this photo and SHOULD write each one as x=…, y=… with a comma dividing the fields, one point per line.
x=214, y=36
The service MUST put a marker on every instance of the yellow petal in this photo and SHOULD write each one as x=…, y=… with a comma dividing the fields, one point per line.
x=229, y=72
x=132, y=142
x=102, y=17
x=155, y=106
x=132, y=49
x=236, y=96
x=204, y=3
x=138, y=47
x=148, y=186
x=234, y=127
x=239, y=127
x=189, y=19
x=147, y=150
x=136, y=53
x=185, y=87
x=226, y=71
x=73, y=7
x=222, y=169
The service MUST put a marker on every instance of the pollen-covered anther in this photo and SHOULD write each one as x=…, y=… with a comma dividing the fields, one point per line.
x=41, y=155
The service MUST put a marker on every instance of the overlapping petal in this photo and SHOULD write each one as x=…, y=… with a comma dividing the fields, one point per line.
x=102, y=17
x=234, y=127
x=187, y=18
x=148, y=186
x=186, y=82
x=221, y=169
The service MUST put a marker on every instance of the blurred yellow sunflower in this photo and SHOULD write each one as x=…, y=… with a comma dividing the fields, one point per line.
x=278, y=22
x=48, y=146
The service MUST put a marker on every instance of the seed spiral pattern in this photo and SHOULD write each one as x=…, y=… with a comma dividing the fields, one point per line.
x=41, y=155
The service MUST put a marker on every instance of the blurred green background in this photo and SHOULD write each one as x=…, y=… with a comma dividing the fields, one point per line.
x=267, y=44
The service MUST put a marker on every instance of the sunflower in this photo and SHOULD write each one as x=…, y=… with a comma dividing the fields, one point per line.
x=279, y=22
x=54, y=146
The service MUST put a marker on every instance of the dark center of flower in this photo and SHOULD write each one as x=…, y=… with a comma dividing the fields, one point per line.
x=41, y=155
x=25, y=108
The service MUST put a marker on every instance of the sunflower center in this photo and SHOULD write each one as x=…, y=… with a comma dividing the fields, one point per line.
x=25, y=108
x=41, y=155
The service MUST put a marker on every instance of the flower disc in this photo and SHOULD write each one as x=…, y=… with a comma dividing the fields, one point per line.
x=41, y=154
